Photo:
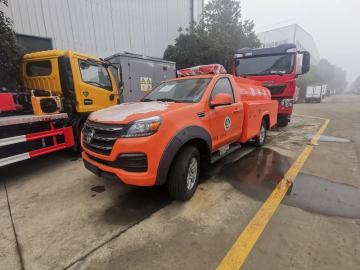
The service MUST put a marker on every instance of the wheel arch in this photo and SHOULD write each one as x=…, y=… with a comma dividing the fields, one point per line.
x=191, y=135
x=266, y=118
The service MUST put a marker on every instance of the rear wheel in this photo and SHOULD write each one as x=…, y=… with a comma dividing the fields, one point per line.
x=260, y=140
x=184, y=174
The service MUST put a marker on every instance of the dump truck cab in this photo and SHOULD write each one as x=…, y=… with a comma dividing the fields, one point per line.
x=277, y=68
x=84, y=82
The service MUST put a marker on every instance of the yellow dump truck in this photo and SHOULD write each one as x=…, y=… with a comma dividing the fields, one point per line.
x=85, y=83
x=62, y=88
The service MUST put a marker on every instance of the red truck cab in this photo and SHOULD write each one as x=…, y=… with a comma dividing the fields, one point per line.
x=179, y=127
x=277, y=68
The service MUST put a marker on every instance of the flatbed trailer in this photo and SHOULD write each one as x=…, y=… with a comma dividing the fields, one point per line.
x=49, y=139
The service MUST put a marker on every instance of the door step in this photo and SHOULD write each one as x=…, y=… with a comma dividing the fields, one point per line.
x=224, y=151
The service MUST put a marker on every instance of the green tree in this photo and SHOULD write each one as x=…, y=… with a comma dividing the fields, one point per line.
x=9, y=51
x=215, y=38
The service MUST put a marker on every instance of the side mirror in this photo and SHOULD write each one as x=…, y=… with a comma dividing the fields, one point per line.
x=120, y=82
x=221, y=99
x=305, y=63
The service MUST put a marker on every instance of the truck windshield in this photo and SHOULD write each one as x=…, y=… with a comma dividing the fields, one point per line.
x=189, y=90
x=265, y=65
x=95, y=74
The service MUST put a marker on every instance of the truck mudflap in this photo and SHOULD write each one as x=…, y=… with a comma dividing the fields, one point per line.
x=68, y=141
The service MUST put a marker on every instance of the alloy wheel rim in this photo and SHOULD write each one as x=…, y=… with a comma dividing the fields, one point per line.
x=192, y=173
x=262, y=134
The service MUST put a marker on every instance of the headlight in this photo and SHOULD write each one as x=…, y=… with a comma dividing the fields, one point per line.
x=287, y=102
x=143, y=127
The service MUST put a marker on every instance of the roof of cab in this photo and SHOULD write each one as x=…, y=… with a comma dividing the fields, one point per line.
x=56, y=53
x=282, y=48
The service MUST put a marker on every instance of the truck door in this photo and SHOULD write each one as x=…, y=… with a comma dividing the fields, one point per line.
x=225, y=121
x=96, y=88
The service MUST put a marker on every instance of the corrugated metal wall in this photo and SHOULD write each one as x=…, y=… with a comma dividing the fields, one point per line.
x=104, y=27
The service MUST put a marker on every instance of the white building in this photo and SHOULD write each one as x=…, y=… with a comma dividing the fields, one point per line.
x=102, y=27
x=291, y=34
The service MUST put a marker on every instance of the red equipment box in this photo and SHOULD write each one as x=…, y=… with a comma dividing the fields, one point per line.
x=7, y=102
x=203, y=69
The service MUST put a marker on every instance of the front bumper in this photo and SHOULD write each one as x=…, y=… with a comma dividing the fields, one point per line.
x=139, y=173
x=130, y=178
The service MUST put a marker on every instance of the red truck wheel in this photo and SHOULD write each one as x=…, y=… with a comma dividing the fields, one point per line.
x=184, y=174
x=282, y=121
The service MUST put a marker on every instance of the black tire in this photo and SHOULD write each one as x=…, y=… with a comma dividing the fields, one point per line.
x=177, y=182
x=260, y=140
x=77, y=140
x=282, y=121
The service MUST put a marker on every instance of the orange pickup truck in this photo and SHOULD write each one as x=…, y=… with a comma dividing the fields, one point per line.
x=181, y=126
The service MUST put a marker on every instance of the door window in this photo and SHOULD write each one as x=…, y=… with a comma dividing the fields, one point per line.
x=223, y=85
x=95, y=74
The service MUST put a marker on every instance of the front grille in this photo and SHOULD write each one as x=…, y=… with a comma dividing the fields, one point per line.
x=276, y=89
x=131, y=162
x=100, y=138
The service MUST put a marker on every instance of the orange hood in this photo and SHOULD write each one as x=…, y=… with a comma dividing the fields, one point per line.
x=128, y=112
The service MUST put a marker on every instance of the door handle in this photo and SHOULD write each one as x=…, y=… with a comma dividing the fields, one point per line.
x=237, y=111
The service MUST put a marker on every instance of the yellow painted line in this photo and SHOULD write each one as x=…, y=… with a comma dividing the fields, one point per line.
x=238, y=253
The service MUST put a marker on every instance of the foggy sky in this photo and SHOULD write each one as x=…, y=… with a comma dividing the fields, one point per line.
x=334, y=25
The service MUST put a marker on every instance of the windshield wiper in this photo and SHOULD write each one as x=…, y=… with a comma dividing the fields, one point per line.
x=147, y=100
x=166, y=99
x=94, y=83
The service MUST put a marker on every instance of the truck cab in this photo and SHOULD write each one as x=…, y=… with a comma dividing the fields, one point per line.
x=277, y=68
x=181, y=126
x=83, y=82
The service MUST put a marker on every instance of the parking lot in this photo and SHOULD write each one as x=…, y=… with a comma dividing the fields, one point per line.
x=54, y=214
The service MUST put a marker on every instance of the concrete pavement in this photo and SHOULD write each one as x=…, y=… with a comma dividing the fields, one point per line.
x=67, y=218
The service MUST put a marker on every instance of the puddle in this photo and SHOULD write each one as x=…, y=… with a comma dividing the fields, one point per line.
x=322, y=196
x=327, y=139
x=136, y=205
x=258, y=173
x=98, y=189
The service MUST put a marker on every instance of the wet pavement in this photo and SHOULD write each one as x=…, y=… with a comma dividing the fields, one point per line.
x=327, y=139
x=257, y=173
x=67, y=218
x=325, y=197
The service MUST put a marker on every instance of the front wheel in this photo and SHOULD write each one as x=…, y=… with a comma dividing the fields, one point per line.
x=184, y=174
x=282, y=121
x=260, y=140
